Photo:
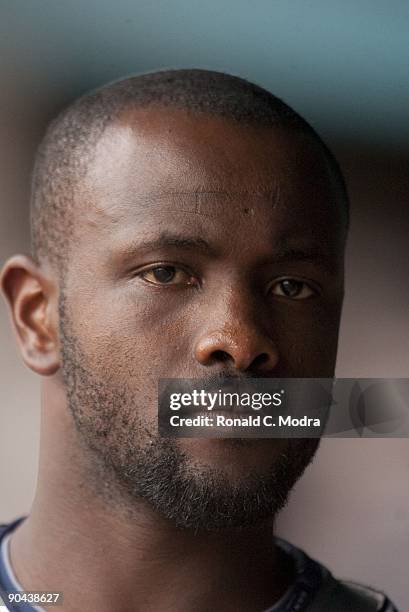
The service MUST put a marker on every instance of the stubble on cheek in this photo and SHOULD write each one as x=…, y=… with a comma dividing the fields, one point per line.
x=108, y=400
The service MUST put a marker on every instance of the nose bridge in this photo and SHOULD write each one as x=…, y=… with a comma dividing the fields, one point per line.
x=235, y=330
x=240, y=313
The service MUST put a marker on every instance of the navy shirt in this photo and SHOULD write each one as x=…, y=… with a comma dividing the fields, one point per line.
x=314, y=588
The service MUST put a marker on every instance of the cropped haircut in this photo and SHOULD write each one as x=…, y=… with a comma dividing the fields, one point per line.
x=64, y=154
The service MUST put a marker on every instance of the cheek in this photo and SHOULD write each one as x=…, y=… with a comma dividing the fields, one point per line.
x=125, y=335
x=308, y=341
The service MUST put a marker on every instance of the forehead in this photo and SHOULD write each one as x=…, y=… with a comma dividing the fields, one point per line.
x=157, y=148
x=154, y=163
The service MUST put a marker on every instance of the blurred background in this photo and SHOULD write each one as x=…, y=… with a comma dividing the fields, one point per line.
x=343, y=65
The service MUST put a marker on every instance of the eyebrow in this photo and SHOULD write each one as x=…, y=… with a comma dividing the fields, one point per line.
x=313, y=255
x=166, y=240
x=284, y=254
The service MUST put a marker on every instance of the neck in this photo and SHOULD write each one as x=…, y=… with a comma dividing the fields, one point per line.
x=103, y=555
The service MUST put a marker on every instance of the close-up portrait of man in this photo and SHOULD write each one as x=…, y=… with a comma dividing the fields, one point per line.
x=204, y=330
x=184, y=224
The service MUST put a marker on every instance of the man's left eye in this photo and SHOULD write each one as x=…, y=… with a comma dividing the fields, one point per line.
x=167, y=275
x=292, y=288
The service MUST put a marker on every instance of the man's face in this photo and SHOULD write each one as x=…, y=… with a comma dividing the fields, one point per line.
x=203, y=247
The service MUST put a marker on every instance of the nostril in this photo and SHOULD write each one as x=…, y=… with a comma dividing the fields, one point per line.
x=222, y=356
x=260, y=361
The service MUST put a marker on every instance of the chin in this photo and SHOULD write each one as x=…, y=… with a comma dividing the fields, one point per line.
x=233, y=456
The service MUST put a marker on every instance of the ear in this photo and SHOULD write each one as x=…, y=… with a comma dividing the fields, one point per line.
x=32, y=298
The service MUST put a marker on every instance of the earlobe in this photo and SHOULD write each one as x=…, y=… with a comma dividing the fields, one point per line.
x=32, y=299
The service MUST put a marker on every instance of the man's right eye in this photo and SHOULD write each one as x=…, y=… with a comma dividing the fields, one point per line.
x=167, y=275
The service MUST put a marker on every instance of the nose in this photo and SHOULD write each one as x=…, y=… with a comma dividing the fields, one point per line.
x=238, y=341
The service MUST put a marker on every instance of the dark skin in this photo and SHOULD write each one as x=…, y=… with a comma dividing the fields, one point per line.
x=230, y=211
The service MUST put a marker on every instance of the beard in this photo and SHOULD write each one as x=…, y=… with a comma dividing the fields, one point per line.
x=135, y=464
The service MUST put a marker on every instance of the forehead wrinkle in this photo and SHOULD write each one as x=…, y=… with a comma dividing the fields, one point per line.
x=200, y=202
x=113, y=175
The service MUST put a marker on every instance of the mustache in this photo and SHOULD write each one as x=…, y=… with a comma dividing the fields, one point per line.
x=228, y=376
x=223, y=380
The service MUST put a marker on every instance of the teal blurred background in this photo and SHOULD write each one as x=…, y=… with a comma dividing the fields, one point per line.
x=344, y=66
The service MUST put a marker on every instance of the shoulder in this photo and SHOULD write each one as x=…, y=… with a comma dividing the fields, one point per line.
x=316, y=585
x=345, y=595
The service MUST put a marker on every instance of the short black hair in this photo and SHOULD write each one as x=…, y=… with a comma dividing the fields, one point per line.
x=64, y=153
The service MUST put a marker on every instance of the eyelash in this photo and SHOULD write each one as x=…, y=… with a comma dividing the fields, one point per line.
x=177, y=267
x=313, y=287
